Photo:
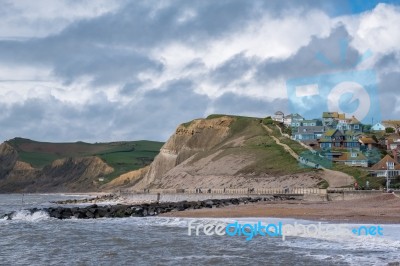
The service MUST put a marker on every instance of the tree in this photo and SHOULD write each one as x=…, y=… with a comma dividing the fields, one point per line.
x=389, y=130
x=268, y=121
x=367, y=128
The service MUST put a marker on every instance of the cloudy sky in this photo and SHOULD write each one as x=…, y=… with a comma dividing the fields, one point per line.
x=107, y=70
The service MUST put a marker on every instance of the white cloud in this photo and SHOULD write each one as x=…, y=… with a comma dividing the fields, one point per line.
x=377, y=29
x=26, y=19
x=268, y=38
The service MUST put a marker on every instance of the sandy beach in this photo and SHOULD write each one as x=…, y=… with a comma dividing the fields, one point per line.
x=380, y=209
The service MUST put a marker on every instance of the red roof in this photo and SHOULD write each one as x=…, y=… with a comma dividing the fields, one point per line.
x=381, y=165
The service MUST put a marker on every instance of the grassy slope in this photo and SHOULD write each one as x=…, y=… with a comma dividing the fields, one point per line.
x=122, y=156
x=273, y=159
x=270, y=158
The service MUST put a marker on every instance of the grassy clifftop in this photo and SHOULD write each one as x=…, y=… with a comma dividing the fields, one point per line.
x=122, y=156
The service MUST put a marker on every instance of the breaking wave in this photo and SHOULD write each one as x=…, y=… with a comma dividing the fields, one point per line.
x=24, y=215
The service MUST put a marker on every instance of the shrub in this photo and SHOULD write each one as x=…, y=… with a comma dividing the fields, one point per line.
x=268, y=121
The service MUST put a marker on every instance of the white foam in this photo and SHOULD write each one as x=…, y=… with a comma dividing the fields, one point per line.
x=24, y=215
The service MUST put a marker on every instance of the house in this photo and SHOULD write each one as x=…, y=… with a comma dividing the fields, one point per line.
x=293, y=120
x=353, y=158
x=343, y=124
x=332, y=138
x=367, y=143
x=309, y=133
x=355, y=125
x=351, y=140
x=336, y=139
x=279, y=117
x=392, y=141
x=330, y=119
x=378, y=127
x=311, y=123
x=332, y=155
x=386, y=167
x=349, y=124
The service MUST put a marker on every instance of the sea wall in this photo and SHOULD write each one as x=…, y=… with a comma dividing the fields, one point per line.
x=351, y=195
x=152, y=197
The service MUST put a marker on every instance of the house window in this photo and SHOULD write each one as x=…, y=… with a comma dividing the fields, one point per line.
x=356, y=126
x=390, y=165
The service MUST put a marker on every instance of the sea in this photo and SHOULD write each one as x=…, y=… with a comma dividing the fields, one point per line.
x=37, y=239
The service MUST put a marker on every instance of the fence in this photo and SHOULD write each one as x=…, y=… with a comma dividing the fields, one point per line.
x=333, y=190
x=230, y=191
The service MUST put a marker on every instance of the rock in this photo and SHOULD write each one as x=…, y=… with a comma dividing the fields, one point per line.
x=209, y=204
x=89, y=214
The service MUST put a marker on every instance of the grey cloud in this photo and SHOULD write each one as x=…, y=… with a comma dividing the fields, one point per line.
x=232, y=69
x=306, y=61
x=387, y=62
x=154, y=117
x=73, y=59
x=113, y=47
x=230, y=103
x=130, y=88
x=388, y=89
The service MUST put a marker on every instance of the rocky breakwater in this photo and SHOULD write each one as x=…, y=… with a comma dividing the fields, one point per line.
x=142, y=210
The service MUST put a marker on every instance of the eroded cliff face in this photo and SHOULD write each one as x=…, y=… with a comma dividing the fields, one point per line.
x=224, y=152
x=64, y=175
x=73, y=174
x=199, y=135
x=8, y=159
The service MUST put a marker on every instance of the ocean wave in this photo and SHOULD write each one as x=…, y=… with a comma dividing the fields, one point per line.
x=25, y=215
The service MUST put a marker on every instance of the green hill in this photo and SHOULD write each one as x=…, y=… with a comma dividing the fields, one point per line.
x=123, y=156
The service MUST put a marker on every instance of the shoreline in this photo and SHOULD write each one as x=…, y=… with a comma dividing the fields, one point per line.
x=383, y=209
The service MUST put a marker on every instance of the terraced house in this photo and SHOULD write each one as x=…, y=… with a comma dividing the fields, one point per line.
x=353, y=158
x=330, y=119
x=336, y=139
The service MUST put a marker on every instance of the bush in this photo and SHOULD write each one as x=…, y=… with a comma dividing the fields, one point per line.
x=268, y=121
x=389, y=130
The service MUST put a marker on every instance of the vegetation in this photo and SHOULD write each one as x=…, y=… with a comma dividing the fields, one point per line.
x=122, y=156
x=323, y=184
x=235, y=116
x=187, y=124
x=294, y=145
x=361, y=176
x=268, y=121
x=395, y=182
x=271, y=158
x=389, y=130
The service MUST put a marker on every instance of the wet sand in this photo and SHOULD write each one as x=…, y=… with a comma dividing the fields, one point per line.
x=380, y=209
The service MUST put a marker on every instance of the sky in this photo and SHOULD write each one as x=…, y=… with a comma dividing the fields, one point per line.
x=111, y=70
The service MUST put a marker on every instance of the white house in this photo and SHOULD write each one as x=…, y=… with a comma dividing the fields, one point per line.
x=279, y=116
x=378, y=127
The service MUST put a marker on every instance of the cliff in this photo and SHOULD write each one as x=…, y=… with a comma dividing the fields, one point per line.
x=225, y=152
x=29, y=166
